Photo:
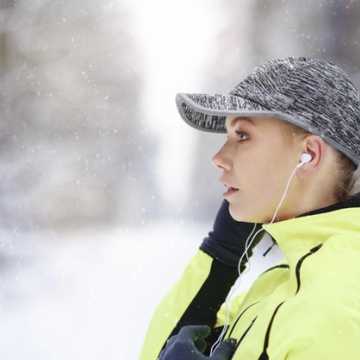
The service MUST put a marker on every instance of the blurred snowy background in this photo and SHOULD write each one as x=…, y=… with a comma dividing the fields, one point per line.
x=101, y=182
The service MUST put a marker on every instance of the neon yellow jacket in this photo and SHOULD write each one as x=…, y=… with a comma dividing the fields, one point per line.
x=307, y=307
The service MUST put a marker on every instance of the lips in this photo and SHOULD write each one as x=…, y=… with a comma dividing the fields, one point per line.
x=230, y=191
x=229, y=185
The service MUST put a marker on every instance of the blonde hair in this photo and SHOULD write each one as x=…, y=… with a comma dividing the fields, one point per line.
x=348, y=179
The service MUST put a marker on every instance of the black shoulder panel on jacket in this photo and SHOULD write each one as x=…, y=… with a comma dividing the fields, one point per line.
x=207, y=302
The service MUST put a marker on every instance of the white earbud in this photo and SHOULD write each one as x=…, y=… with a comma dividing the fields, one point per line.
x=305, y=158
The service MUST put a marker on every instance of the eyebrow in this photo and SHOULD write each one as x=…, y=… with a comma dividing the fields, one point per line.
x=237, y=119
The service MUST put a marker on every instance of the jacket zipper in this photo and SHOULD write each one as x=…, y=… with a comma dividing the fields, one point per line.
x=264, y=355
x=299, y=263
x=244, y=334
x=285, y=266
x=243, y=312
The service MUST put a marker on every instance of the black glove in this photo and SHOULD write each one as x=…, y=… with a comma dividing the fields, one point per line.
x=226, y=242
x=190, y=343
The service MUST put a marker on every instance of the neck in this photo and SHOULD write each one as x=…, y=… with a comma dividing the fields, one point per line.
x=302, y=204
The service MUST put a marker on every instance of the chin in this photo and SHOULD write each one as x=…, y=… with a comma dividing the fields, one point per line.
x=239, y=215
x=236, y=215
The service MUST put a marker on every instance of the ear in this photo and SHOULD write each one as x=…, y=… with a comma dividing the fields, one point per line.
x=317, y=148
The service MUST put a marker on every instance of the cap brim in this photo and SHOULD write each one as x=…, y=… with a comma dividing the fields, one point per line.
x=208, y=112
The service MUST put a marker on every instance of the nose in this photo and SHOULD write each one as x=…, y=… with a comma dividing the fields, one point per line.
x=220, y=161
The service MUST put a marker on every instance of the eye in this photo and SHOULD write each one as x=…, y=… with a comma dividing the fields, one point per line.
x=238, y=132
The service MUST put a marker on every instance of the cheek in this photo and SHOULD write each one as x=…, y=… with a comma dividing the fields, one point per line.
x=258, y=158
x=255, y=173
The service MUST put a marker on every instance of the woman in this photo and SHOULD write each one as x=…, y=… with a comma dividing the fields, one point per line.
x=289, y=161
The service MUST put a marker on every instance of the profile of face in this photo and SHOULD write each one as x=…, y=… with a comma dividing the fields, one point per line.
x=258, y=158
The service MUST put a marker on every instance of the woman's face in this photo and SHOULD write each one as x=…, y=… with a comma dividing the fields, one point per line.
x=258, y=158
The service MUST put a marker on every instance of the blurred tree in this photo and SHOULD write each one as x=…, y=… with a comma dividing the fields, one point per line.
x=74, y=149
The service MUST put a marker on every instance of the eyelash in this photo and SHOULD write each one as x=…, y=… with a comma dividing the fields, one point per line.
x=240, y=132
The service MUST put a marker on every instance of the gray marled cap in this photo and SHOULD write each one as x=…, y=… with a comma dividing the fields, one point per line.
x=314, y=94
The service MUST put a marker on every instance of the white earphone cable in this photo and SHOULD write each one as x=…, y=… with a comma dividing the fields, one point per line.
x=304, y=160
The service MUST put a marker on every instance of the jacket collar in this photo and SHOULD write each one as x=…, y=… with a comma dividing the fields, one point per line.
x=298, y=235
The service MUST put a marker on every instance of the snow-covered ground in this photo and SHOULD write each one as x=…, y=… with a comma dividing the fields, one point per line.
x=90, y=295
